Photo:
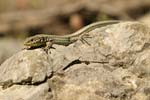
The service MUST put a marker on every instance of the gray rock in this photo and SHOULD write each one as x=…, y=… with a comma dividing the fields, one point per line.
x=114, y=65
x=25, y=67
x=109, y=68
x=26, y=92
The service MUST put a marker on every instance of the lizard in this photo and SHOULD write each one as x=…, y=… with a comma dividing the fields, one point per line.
x=43, y=40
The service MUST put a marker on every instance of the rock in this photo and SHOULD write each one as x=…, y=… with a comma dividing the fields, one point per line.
x=109, y=68
x=26, y=92
x=113, y=65
x=25, y=67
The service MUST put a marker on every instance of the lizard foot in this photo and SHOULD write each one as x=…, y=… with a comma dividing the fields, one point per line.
x=48, y=47
x=83, y=40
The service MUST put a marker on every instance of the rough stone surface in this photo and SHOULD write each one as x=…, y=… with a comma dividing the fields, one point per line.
x=114, y=65
x=26, y=67
x=26, y=92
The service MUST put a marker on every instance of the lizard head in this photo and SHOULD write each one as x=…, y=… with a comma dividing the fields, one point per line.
x=34, y=41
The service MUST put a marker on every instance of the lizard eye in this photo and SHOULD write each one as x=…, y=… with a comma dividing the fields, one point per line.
x=31, y=40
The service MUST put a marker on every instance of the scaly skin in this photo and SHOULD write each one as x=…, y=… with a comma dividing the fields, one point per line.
x=43, y=40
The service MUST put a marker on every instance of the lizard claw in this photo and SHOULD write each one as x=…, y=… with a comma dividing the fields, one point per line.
x=46, y=50
x=85, y=41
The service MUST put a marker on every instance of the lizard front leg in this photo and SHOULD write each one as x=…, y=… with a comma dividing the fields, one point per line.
x=48, y=46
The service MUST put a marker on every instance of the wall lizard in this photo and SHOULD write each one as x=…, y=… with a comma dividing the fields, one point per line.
x=43, y=40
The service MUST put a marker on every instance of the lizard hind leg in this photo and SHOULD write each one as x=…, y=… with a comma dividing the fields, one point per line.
x=83, y=40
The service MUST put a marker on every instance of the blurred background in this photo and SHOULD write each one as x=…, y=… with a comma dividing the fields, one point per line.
x=23, y=18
